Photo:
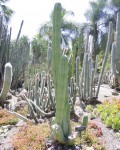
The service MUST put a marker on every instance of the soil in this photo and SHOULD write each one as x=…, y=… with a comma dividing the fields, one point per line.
x=109, y=137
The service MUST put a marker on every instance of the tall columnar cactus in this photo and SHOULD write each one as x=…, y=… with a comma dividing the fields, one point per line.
x=77, y=70
x=4, y=47
x=19, y=57
x=108, y=46
x=87, y=76
x=115, y=54
x=49, y=55
x=61, y=129
x=40, y=97
x=6, y=83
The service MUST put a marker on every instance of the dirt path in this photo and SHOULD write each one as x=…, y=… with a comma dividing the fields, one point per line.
x=106, y=93
x=6, y=138
x=109, y=138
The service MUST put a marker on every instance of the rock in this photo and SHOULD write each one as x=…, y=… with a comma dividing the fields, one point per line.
x=10, y=127
x=20, y=104
x=117, y=147
x=41, y=120
x=9, y=96
x=115, y=93
x=5, y=130
x=19, y=99
x=5, y=127
x=5, y=135
x=20, y=123
x=60, y=147
x=89, y=148
x=1, y=131
x=78, y=111
x=22, y=92
x=80, y=128
x=2, y=135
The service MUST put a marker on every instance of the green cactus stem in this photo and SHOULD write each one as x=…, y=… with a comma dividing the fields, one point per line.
x=113, y=59
x=7, y=82
x=61, y=129
x=49, y=55
x=106, y=55
x=77, y=70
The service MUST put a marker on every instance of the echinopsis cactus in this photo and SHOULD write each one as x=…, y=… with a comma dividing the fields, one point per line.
x=87, y=75
x=49, y=55
x=61, y=130
x=40, y=97
x=115, y=55
x=108, y=46
x=6, y=83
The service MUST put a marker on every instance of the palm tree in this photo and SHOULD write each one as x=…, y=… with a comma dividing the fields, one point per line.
x=69, y=29
x=95, y=16
x=5, y=11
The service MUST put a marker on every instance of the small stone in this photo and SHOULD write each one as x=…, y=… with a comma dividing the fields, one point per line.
x=117, y=147
x=1, y=135
x=5, y=130
x=41, y=120
x=115, y=93
x=5, y=135
x=60, y=147
x=20, y=123
x=80, y=128
x=89, y=148
x=1, y=131
x=5, y=127
x=10, y=127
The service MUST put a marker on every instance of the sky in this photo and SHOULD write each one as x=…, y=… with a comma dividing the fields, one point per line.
x=36, y=12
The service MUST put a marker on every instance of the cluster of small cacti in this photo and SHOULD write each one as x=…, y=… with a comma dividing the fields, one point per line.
x=41, y=100
x=115, y=56
x=85, y=79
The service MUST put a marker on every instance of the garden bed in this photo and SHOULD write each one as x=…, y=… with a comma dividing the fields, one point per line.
x=105, y=138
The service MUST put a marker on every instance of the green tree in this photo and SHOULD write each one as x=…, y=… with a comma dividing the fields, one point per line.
x=69, y=30
x=5, y=10
x=39, y=49
x=95, y=16
x=19, y=58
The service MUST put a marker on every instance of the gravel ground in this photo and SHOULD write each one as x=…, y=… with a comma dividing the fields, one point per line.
x=107, y=93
